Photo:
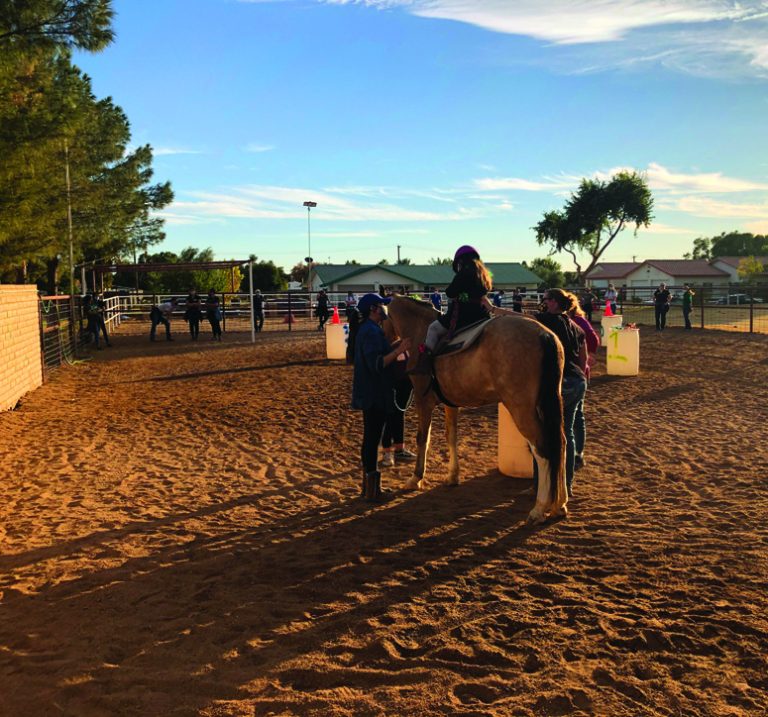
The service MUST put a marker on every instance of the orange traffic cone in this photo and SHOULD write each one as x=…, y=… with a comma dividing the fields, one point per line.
x=335, y=319
x=608, y=311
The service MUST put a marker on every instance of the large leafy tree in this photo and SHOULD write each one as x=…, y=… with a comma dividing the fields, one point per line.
x=732, y=243
x=594, y=216
x=549, y=270
x=266, y=276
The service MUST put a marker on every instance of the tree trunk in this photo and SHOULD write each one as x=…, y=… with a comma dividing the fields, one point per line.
x=21, y=272
x=52, y=266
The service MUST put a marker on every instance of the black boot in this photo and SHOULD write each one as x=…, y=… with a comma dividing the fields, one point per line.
x=373, y=490
x=423, y=365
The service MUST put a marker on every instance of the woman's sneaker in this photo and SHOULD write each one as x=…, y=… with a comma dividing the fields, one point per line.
x=405, y=455
x=388, y=460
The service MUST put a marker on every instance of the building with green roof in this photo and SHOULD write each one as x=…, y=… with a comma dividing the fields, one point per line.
x=361, y=278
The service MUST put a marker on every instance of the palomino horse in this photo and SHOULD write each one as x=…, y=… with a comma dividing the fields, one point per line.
x=516, y=361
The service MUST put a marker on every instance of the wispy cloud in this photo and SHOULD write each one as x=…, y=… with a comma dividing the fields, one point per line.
x=165, y=151
x=705, y=37
x=660, y=179
x=257, y=148
x=495, y=184
x=341, y=204
x=708, y=207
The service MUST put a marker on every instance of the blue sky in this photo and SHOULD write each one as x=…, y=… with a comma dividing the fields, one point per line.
x=434, y=123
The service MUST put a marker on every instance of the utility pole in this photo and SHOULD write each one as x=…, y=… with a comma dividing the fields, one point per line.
x=398, y=253
x=308, y=259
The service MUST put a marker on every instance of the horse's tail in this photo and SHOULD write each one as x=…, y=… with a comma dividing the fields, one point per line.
x=551, y=411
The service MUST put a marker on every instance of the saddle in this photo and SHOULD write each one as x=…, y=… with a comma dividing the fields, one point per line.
x=462, y=339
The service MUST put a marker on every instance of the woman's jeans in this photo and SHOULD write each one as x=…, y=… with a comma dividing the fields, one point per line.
x=579, y=429
x=687, y=317
x=374, y=420
x=574, y=390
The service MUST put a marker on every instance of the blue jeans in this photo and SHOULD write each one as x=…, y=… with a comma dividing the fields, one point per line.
x=574, y=390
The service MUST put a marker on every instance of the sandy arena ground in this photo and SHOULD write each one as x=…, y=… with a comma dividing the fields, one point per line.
x=180, y=535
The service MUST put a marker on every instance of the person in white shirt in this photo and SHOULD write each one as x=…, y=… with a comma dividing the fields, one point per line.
x=161, y=314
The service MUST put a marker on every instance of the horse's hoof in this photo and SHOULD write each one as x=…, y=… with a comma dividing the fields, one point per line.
x=561, y=512
x=453, y=481
x=537, y=516
x=413, y=484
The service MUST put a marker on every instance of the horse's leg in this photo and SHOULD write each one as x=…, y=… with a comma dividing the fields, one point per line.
x=539, y=511
x=452, y=431
x=533, y=431
x=425, y=405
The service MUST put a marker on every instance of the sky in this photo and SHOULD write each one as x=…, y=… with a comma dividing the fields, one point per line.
x=428, y=124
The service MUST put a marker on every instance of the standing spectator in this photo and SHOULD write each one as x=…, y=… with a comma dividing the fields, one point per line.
x=588, y=300
x=688, y=295
x=661, y=299
x=437, y=299
x=100, y=305
x=611, y=295
x=498, y=298
x=213, y=313
x=372, y=385
x=194, y=313
x=161, y=314
x=517, y=301
x=92, y=315
x=322, y=311
x=592, y=341
x=351, y=303
x=258, y=310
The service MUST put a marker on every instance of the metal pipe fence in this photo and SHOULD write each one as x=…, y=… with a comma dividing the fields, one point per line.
x=60, y=334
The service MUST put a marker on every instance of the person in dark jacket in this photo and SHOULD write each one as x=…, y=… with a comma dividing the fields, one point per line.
x=213, y=313
x=193, y=314
x=373, y=385
x=258, y=310
x=468, y=293
x=322, y=311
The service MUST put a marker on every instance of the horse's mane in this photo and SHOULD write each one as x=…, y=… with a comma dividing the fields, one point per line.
x=419, y=304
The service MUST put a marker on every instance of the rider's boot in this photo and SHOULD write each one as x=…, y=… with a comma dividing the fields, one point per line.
x=423, y=365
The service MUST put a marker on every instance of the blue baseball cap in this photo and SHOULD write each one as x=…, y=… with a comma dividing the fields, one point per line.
x=370, y=300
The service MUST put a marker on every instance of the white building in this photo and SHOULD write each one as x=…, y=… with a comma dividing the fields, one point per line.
x=673, y=272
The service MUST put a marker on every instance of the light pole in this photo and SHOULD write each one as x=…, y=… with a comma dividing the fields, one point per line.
x=309, y=206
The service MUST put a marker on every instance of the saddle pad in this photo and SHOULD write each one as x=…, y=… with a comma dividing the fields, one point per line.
x=463, y=338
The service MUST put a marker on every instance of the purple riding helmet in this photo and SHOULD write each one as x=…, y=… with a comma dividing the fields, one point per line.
x=464, y=252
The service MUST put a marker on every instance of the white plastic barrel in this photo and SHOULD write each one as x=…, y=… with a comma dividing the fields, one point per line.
x=515, y=457
x=623, y=358
x=606, y=324
x=335, y=341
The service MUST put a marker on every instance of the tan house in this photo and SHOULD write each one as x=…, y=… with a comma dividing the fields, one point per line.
x=651, y=272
